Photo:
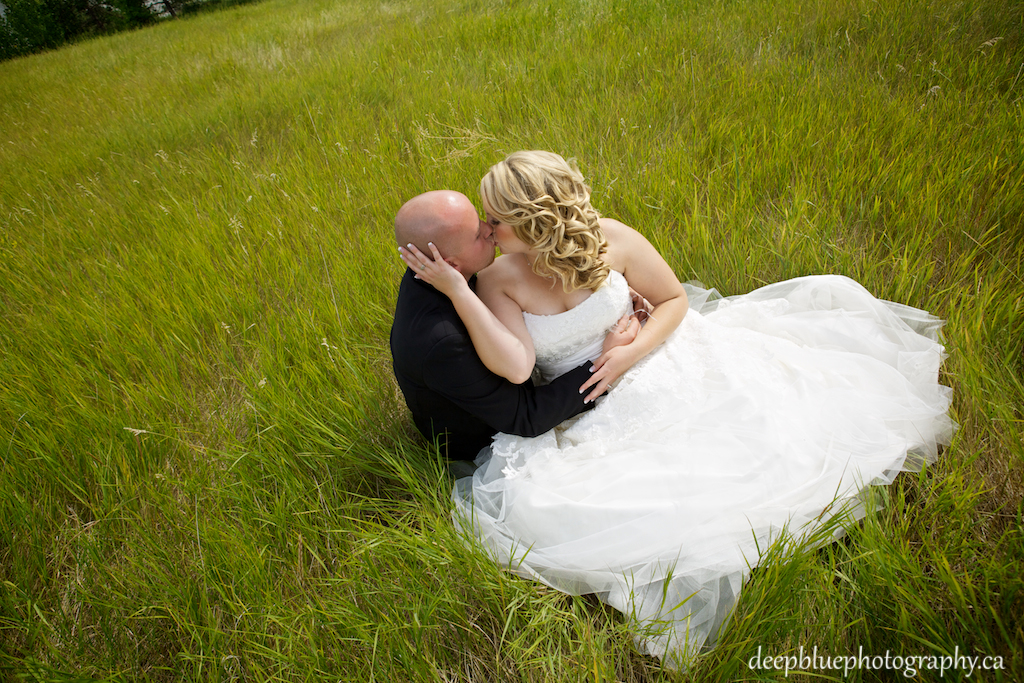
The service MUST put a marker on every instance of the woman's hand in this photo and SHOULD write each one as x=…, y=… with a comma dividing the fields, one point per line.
x=623, y=333
x=436, y=271
x=608, y=368
x=656, y=293
x=499, y=349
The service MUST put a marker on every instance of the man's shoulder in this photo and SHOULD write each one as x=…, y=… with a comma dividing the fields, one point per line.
x=445, y=335
x=435, y=352
x=425, y=324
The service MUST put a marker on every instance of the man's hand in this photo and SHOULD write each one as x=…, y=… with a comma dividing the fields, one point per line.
x=642, y=308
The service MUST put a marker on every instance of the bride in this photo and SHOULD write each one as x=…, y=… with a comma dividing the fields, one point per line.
x=727, y=422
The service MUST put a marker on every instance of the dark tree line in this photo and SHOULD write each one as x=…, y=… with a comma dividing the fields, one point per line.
x=28, y=26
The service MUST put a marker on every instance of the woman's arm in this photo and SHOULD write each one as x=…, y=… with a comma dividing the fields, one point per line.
x=646, y=271
x=504, y=353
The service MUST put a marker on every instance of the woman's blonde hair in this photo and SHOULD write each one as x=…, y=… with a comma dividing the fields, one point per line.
x=547, y=204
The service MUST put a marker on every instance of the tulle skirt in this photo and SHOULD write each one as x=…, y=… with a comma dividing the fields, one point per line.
x=763, y=414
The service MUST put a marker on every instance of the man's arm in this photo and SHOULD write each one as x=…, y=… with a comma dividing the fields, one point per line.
x=505, y=351
x=453, y=369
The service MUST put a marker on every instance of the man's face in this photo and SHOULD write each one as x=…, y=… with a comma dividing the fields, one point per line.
x=471, y=245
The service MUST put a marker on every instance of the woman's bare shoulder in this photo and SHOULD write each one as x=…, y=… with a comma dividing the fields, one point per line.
x=620, y=239
x=615, y=230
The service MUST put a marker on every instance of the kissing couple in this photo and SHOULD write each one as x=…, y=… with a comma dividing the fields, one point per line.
x=634, y=437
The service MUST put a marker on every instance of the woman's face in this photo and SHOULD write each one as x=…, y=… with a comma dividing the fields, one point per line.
x=504, y=237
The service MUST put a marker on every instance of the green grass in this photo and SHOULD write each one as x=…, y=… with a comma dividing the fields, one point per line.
x=207, y=470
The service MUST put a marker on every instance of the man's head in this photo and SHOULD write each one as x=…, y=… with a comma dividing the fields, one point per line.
x=450, y=221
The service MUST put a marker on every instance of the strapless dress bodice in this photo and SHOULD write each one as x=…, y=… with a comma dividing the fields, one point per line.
x=563, y=341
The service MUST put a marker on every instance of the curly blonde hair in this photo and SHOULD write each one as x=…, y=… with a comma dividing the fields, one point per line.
x=547, y=204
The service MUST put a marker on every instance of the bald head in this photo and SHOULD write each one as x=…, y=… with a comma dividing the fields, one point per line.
x=450, y=221
x=431, y=217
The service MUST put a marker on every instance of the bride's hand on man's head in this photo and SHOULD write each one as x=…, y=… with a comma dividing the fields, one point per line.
x=434, y=271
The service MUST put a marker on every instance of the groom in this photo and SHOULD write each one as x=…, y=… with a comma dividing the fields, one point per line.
x=452, y=395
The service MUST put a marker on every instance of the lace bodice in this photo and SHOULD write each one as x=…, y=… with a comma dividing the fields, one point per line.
x=563, y=341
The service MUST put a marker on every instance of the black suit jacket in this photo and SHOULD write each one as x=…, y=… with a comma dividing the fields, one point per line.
x=450, y=392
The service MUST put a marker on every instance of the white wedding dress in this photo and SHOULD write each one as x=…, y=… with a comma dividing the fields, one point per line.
x=761, y=414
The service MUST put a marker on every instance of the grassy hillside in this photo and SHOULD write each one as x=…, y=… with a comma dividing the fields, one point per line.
x=206, y=469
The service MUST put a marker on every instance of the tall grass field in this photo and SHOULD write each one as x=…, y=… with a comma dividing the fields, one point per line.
x=207, y=471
